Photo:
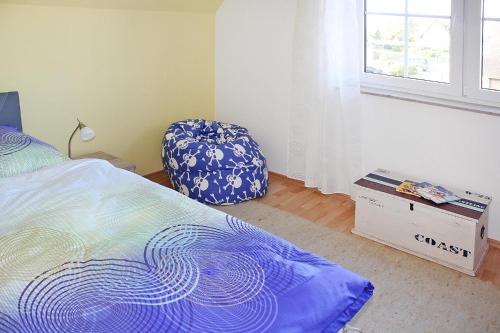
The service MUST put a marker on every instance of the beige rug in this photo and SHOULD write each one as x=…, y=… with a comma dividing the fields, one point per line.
x=411, y=294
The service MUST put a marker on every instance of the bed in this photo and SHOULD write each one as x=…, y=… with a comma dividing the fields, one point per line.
x=86, y=247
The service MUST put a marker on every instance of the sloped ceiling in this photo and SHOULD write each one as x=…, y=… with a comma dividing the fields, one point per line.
x=203, y=6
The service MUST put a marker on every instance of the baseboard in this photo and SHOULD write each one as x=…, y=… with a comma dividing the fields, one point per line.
x=494, y=243
x=155, y=174
x=279, y=175
x=160, y=177
x=302, y=183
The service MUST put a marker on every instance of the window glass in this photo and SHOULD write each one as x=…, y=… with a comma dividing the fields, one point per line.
x=410, y=45
x=386, y=6
x=385, y=45
x=429, y=7
x=414, y=44
x=491, y=55
x=492, y=8
x=429, y=49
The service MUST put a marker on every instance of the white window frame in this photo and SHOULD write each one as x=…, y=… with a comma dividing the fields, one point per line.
x=473, y=72
x=464, y=90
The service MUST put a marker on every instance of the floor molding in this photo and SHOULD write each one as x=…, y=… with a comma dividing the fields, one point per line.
x=494, y=243
x=279, y=175
x=154, y=174
x=160, y=177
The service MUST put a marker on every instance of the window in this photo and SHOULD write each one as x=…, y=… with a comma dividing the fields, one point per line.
x=420, y=48
x=409, y=39
x=491, y=45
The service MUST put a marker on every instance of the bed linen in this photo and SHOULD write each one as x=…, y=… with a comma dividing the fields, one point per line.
x=21, y=153
x=86, y=247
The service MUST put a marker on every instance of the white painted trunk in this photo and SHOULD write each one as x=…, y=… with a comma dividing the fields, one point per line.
x=453, y=235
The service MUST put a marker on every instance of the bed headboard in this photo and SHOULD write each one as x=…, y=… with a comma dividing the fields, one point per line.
x=10, y=110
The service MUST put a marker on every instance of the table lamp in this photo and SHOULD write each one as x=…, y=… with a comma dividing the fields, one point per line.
x=86, y=134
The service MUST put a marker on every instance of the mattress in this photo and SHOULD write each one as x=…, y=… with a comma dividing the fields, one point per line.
x=86, y=247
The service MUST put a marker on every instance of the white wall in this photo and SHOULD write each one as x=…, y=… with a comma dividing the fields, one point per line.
x=454, y=147
x=253, y=61
x=253, y=70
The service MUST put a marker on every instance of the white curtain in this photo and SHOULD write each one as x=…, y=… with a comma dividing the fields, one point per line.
x=324, y=146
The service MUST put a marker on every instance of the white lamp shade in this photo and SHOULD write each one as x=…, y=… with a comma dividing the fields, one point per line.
x=87, y=134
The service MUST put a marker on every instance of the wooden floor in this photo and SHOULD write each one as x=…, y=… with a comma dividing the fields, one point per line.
x=335, y=211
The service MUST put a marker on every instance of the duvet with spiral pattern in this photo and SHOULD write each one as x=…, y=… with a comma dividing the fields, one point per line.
x=86, y=247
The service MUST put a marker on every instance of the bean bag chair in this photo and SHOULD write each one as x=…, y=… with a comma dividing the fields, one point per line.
x=213, y=162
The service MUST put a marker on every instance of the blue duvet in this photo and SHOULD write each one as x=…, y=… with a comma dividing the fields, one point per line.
x=86, y=247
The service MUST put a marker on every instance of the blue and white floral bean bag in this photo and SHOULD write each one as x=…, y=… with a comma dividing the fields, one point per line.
x=214, y=162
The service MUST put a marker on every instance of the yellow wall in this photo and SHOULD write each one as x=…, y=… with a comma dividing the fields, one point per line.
x=127, y=74
x=171, y=5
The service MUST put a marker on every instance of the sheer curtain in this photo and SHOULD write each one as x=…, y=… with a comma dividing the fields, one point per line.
x=324, y=146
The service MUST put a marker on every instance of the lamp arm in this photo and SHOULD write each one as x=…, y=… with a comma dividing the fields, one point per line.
x=71, y=138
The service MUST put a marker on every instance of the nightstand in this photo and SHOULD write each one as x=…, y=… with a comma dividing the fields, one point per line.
x=117, y=162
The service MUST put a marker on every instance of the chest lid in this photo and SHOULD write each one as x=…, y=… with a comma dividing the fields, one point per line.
x=471, y=205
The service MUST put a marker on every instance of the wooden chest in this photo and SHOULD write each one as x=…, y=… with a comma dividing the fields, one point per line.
x=451, y=234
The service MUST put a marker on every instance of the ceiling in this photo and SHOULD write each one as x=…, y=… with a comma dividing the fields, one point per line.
x=203, y=6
